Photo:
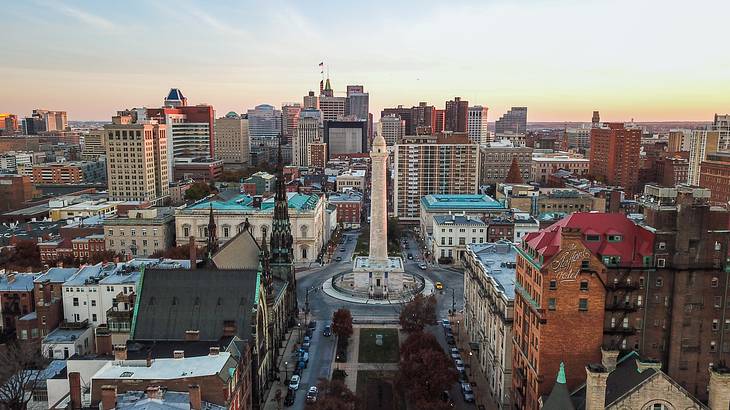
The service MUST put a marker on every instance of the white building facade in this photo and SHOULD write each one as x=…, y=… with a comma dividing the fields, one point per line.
x=477, y=125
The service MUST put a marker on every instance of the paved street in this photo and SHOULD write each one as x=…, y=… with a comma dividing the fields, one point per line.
x=321, y=306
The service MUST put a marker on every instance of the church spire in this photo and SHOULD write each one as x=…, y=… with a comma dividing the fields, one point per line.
x=265, y=262
x=212, y=237
x=281, y=238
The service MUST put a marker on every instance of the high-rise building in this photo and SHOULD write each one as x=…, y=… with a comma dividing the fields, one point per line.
x=722, y=124
x=175, y=98
x=308, y=131
x=477, y=125
x=405, y=114
x=701, y=143
x=289, y=120
x=94, y=145
x=9, y=124
x=679, y=140
x=457, y=113
x=51, y=120
x=444, y=164
x=615, y=155
x=578, y=138
x=333, y=108
x=358, y=102
x=715, y=176
x=264, y=127
x=513, y=121
x=392, y=129
x=345, y=137
x=231, y=140
x=311, y=101
x=137, y=161
x=317, y=155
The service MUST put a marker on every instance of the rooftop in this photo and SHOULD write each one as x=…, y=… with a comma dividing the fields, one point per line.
x=457, y=220
x=166, y=400
x=61, y=335
x=497, y=261
x=16, y=282
x=165, y=369
x=243, y=202
x=347, y=196
x=442, y=202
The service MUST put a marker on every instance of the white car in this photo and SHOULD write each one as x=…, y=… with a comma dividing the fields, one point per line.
x=445, y=323
x=423, y=266
x=468, y=392
x=294, y=383
x=459, y=365
x=312, y=394
x=455, y=353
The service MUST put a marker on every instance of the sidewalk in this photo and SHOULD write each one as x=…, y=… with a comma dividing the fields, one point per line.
x=286, y=356
x=478, y=380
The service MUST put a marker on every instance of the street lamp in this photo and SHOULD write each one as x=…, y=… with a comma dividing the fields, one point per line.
x=286, y=371
x=470, y=354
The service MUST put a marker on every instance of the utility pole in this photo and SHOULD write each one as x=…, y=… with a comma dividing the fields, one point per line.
x=453, y=302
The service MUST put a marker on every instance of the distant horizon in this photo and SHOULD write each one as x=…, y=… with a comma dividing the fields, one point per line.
x=651, y=60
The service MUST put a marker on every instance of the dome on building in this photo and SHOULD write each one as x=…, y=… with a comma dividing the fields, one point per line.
x=232, y=114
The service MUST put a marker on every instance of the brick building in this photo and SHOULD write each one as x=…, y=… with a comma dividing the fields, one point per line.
x=349, y=208
x=79, y=172
x=571, y=285
x=671, y=171
x=199, y=169
x=16, y=299
x=615, y=155
x=715, y=176
x=15, y=191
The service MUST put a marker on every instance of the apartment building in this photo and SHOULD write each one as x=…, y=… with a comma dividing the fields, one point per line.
x=140, y=233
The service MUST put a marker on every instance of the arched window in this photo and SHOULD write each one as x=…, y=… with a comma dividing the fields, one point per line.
x=303, y=229
x=304, y=252
x=186, y=231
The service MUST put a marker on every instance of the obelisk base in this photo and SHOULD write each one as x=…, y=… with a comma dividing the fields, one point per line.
x=380, y=280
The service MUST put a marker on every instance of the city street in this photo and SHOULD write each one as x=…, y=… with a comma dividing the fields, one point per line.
x=320, y=307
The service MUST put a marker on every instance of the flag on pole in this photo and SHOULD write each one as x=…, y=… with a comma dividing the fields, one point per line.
x=321, y=64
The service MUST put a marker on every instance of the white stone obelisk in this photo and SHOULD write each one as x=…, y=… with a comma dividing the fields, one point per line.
x=378, y=204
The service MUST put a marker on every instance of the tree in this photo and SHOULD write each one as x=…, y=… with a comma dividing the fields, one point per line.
x=23, y=255
x=21, y=369
x=334, y=395
x=425, y=370
x=197, y=190
x=342, y=323
x=418, y=313
x=105, y=256
x=177, y=252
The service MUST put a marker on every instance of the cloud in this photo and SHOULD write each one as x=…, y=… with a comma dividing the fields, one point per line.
x=197, y=14
x=80, y=15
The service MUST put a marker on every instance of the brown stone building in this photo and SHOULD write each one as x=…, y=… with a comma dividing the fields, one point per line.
x=615, y=155
x=15, y=190
x=715, y=176
x=16, y=299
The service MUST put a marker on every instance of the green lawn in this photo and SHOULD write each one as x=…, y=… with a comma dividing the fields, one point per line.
x=376, y=391
x=372, y=353
x=362, y=248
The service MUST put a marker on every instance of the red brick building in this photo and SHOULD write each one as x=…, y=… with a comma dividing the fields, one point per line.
x=88, y=247
x=499, y=229
x=615, y=155
x=715, y=176
x=199, y=169
x=349, y=208
x=567, y=276
x=16, y=299
x=672, y=171
x=15, y=190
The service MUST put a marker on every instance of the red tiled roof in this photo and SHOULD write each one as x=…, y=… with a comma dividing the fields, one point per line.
x=636, y=242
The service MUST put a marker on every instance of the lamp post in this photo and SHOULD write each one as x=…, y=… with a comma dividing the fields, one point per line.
x=286, y=371
x=470, y=354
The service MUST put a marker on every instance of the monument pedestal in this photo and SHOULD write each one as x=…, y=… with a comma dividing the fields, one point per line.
x=382, y=280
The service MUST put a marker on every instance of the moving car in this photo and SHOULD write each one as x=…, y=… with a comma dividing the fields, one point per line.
x=327, y=332
x=410, y=256
x=294, y=383
x=423, y=266
x=468, y=393
x=312, y=394
x=445, y=323
x=439, y=285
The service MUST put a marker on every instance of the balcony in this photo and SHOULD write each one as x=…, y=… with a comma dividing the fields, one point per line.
x=619, y=330
x=621, y=285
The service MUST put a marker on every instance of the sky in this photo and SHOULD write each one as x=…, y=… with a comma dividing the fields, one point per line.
x=649, y=60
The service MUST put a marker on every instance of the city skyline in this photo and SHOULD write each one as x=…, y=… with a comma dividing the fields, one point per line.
x=560, y=59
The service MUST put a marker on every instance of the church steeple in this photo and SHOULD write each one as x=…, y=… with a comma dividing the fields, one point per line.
x=281, y=238
x=264, y=260
x=212, y=237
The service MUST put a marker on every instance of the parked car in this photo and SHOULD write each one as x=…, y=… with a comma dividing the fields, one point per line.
x=338, y=259
x=468, y=393
x=312, y=394
x=459, y=365
x=410, y=256
x=304, y=358
x=327, y=332
x=294, y=382
x=313, y=324
x=290, y=397
x=462, y=378
x=445, y=323
x=447, y=330
x=423, y=266
x=450, y=340
x=439, y=285
x=455, y=353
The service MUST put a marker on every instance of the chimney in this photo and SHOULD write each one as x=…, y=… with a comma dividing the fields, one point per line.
x=214, y=350
x=608, y=359
x=74, y=386
x=108, y=397
x=719, y=388
x=596, y=377
x=193, y=253
x=120, y=352
x=192, y=335
x=178, y=354
x=154, y=392
x=104, y=344
x=196, y=403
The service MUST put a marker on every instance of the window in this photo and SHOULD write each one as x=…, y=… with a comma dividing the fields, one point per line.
x=715, y=325
x=614, y=238
x=551, y=303
x=660, y=262
x=585, y=264
x=659, y=282
x=93, y=317
x=714, y=282
x=593, y=238
x=93, y=302
x=584, y=285
x=76, y=301
x=553, y=284
x=583, y=304
x=662, y=245
x=713, y=346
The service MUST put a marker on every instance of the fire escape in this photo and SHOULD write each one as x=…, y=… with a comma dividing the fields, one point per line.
x=620, y=304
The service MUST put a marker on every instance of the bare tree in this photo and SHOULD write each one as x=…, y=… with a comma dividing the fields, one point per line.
x=21, y=369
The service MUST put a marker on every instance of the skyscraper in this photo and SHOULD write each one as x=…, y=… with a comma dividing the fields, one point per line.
x=136, y=160
x=405, y=114
x=477, y=125
x=311, y=101
x=345, y=137
x=51, y=120
x=308, y=131
x=333, y=108
x=231, y=140
x=701, y=143
x=289, y=120
x=264, y=127
x=392, y=128
x=513, y=121
x=615, y=155
x=456, y=115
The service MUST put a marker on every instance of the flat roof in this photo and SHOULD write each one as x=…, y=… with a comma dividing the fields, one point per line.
x=457, y=220
x=60, y=335
x=435, y=202
x=21, y=282
x=164, y=369
x=498, y=263
x=242, y=202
